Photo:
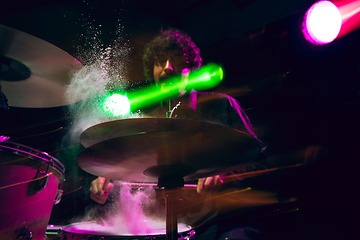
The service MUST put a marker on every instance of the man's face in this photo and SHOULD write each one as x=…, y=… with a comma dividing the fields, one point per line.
x=168, y=65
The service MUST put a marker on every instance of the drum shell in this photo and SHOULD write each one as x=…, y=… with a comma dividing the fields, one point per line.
x=23, y=204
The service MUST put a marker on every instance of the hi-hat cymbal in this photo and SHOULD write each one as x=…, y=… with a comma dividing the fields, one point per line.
x=143, y=149
x=33, y=72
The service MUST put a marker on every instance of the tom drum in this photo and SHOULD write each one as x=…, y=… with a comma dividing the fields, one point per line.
x=30, y=184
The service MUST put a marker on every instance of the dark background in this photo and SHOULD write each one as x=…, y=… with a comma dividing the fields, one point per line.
x=300, y=94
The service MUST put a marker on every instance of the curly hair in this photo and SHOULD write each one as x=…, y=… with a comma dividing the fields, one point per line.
x=166, y=41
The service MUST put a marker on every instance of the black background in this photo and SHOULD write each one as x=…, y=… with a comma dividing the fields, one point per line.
x=300, y=95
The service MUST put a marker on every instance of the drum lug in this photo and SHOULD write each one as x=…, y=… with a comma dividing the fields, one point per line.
x=43, y=178
x=25, y=234
x=59, y=193
x=58, y=196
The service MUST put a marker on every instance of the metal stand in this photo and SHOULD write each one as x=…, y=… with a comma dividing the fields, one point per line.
x=172, y=186
x=171, y=197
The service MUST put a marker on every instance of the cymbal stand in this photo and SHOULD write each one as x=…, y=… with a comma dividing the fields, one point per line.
x=172, y=186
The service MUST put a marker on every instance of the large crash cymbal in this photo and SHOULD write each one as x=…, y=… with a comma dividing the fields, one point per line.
x=143, y=149
x=33, y=72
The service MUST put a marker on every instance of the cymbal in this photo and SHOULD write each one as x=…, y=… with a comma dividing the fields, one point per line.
x=33, y=72
x=143, y=149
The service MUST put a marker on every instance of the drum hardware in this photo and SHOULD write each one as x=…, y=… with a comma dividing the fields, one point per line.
x=171, y=197
x=172, y=184
x=43, y=177
x=164, y=150
x=59, y=193
x=25, y=234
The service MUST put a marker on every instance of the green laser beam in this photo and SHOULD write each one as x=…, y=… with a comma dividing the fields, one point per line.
x=200, y=79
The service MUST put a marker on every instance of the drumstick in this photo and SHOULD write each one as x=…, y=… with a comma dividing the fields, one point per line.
x=230, y=178
x=258, y=173
x=106, y=183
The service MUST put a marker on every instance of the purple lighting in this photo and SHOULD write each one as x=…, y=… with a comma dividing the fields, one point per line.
x=322, y=23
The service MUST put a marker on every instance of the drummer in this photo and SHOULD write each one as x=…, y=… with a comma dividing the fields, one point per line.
x=169, y=54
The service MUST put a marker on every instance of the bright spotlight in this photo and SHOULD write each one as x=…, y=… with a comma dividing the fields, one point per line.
x=116, y=105
x=322, y=23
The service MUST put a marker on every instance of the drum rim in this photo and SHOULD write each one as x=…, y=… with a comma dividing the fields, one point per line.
x=44, y=156
x=65, y=229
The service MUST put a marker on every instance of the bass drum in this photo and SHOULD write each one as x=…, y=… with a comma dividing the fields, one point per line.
x=30, y=184
x=94, y=231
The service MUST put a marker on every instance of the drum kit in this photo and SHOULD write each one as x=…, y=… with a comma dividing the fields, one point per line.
x=164, y=151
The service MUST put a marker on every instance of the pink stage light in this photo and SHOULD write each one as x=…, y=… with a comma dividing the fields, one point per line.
x=322, y=23
x=350, y=13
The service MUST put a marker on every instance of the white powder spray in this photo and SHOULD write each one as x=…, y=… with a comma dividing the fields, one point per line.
x=104, y=70
x=131, y=211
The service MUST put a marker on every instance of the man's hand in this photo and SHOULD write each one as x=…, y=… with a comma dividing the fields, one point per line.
x=208, y=184
x=100, y=189
x=4, y=138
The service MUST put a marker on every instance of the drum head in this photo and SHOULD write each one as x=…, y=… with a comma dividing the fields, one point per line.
x=153, y=228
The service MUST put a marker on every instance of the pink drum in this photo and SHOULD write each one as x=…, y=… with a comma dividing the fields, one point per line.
x=30, y=184
x=94, y=231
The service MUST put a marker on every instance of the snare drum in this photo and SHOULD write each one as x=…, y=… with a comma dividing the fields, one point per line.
x=94, y=231
x=30, y=184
